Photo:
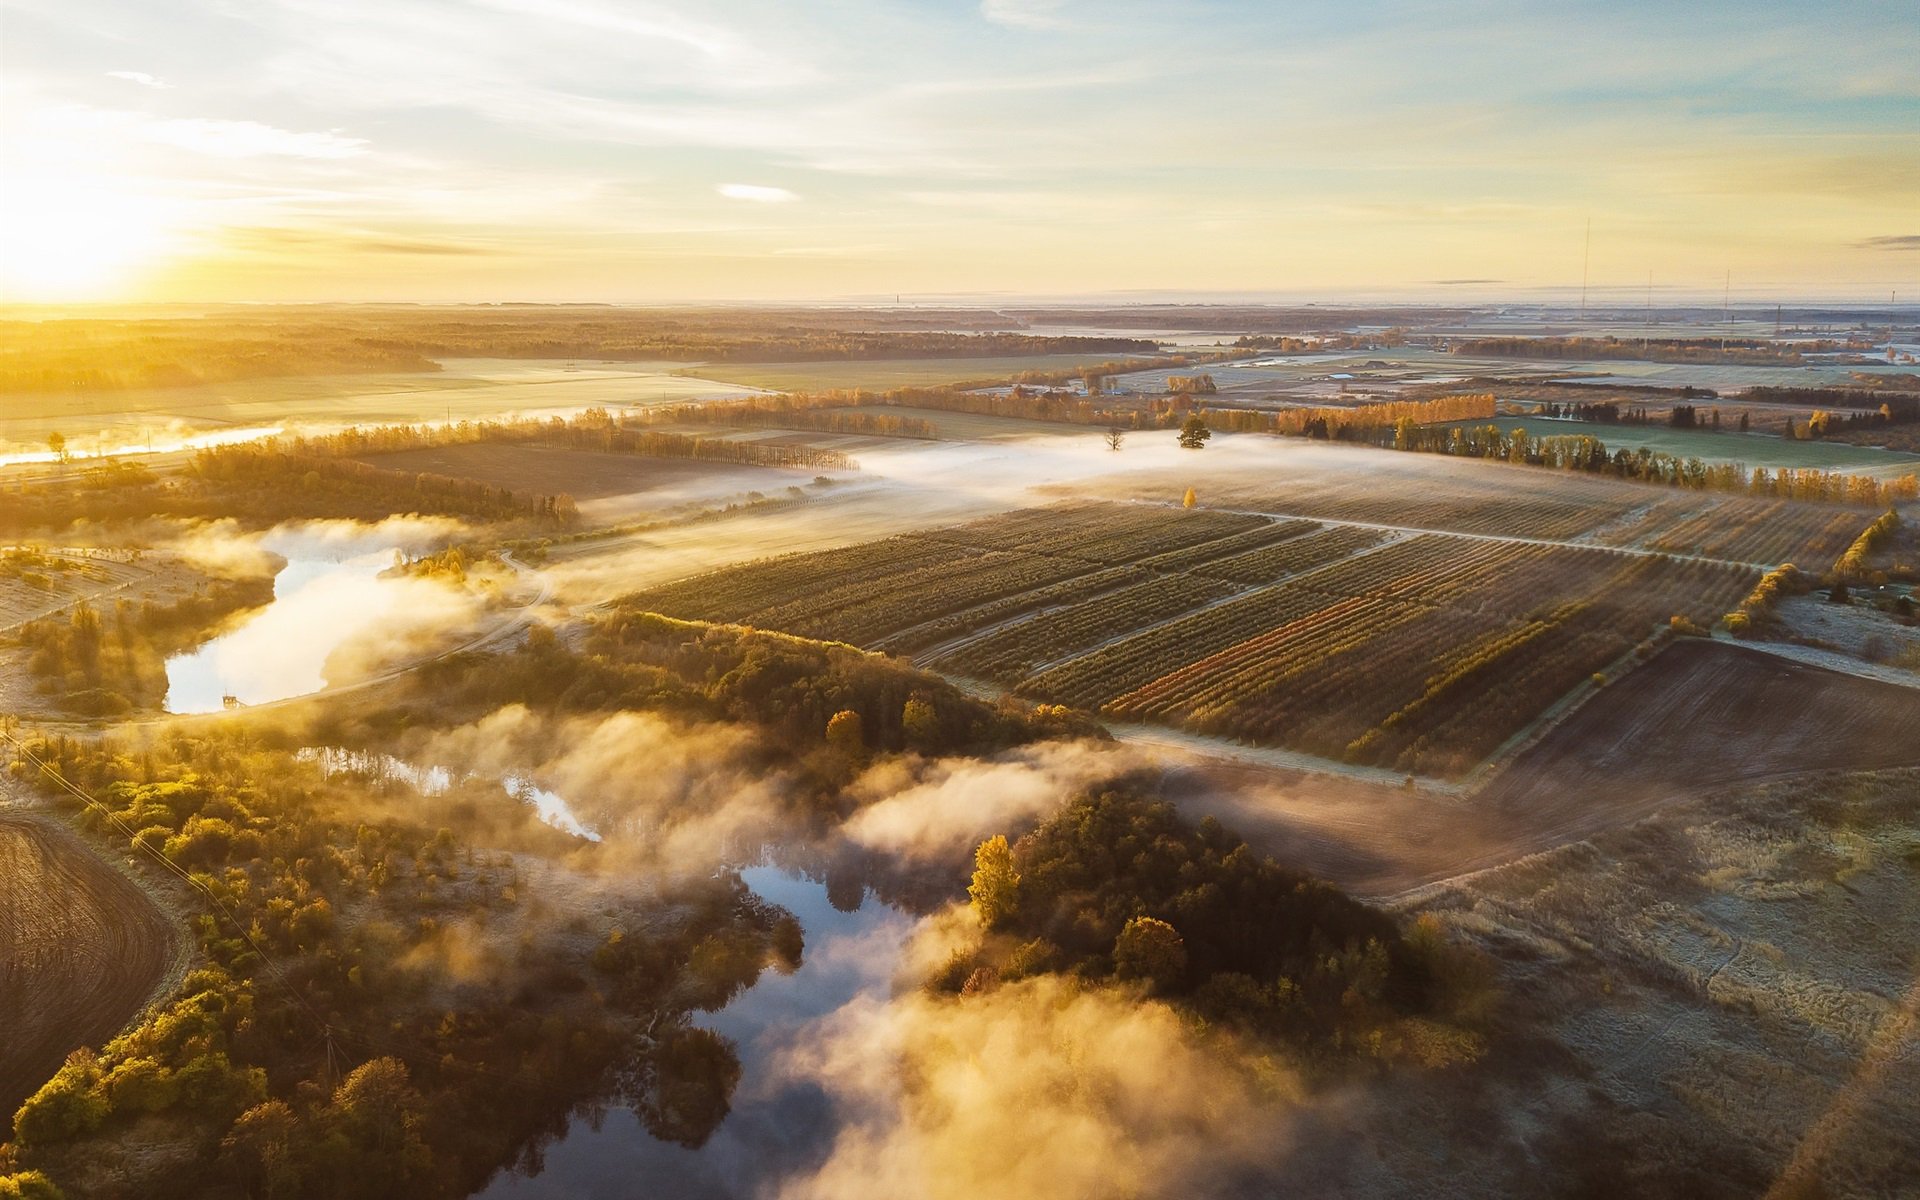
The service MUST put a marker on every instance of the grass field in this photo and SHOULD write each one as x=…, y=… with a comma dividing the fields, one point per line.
x=585, y=474
x=884, y=372
x=961, y=426
x=468, y=389
x=1755, y=450
x=1728, y=989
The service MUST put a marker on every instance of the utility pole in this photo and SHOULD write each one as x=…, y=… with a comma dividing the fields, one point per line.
x=1726, y=311
x=1586, y=262
x=1647, y=332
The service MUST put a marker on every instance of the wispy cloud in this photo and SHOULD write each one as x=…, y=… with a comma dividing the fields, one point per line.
x=1898, y=241
x=756, y=193
x=1025, y=14
x=970, y=148
x=139, y=77
x=252, y=139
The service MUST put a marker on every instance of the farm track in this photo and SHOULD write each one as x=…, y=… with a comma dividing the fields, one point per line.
x=1829, y=660
x=81, y=950
x=1517, y=539
x=1714, y=712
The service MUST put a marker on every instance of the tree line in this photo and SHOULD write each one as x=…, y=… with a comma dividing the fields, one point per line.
x=93, y=355
x=786, y=412
x=1356, y=423
x=1749, y=351
x=1581, y=452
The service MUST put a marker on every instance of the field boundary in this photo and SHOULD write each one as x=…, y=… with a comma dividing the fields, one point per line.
x=1632, y=551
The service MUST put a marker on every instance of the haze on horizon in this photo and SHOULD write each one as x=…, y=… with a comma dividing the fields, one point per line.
x=464, y=150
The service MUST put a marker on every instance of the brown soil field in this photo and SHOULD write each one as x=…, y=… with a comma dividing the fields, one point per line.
x=1702, y=714
x=81, y=950
x=582, y=474
x=1718, y=1001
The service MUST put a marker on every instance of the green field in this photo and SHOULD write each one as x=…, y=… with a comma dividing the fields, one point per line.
x=1755, y=450
x=885, y=372
x=468, y=389
x=959, y=426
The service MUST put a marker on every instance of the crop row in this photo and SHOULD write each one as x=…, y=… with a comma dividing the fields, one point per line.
x=1294, y=556
x=1428, y=668
x=865, y=613
x=732, y=593
x=1094, y=678
x=1463, y=506
x=1260, y=663
x=1765, y=531
x=1267, y=533
x=978, y=616
x=862, y=593
x=1106, y=533
x=1010, y=654
x=1154, y=532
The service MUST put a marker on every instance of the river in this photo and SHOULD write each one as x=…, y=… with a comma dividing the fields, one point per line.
x=778, y=1126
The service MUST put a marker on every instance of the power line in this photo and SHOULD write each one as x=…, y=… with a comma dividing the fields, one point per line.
x=327, y=1028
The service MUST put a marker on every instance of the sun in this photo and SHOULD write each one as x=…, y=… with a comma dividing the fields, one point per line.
x=64, y=238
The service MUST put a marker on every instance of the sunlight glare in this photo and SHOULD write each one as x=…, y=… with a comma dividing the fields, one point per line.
x=67, y=238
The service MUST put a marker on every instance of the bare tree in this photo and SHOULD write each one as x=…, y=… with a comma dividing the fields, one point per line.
x=1115, y=436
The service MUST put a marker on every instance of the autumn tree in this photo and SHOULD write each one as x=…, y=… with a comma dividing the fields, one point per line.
x=259, y=1148
x=1194, y=432
x=1150, y=949
x=1188, y=500
x=57, y=442
x=846, y=734
x=28, y=1185
x=920, y=722
x=995, y=891
x=377, y=1113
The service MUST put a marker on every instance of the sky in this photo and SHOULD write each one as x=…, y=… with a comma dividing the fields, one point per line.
x=832, y=150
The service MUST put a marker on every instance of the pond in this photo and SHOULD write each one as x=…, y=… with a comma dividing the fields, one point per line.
x=777, y=1126
x=328, y=593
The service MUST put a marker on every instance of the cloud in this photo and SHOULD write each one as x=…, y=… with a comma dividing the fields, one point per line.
x=252, y=139
x=271, y=240
x=1898, y=241
x=1025, y=14
x=756, y=193
x=928, y=810
x=662, y=795
x=1038, y=1088
x=139, y=77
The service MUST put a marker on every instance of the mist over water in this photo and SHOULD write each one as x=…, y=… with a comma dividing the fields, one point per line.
x=435, y=780
x=781, y=1124
x=123, y=447
x=328, y=598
